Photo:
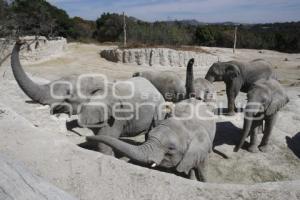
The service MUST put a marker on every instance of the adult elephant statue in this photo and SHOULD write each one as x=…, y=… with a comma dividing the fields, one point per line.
x=239, y=76
x=181, y=142
x=173, y=88
x=265, y=99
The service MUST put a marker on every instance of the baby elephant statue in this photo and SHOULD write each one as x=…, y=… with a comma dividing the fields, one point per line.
x=181, y=142
x=265, y=99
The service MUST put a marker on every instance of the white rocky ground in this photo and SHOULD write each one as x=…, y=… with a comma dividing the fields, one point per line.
x=30, y=135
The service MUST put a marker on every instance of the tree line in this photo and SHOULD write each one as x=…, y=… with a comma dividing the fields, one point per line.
x=38, y=17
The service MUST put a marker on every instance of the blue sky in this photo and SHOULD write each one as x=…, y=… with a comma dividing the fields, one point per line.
x=246, y=11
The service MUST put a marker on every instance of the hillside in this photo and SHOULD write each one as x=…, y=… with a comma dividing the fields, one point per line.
x=38, y=17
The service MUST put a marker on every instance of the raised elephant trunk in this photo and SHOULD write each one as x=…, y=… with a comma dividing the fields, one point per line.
x=38, y=93
x=143, y=153
x=189, y=84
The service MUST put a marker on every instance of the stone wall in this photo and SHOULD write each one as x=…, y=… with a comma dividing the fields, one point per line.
x=41, y=49
x=158, y=56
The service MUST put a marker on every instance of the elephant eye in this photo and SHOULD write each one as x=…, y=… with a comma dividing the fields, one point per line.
x=172, y=147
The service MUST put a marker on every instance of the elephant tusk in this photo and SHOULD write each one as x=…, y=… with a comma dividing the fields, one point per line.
x=169, y=107
x=153, y=165
x=43, y=107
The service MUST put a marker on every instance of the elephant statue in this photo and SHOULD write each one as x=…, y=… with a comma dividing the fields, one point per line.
x=181, y=143
x=239, y=76
x=173, y=88
x=265, y=98
x=56, y=91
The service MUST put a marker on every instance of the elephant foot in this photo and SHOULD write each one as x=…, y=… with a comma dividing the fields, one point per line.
x=253, y=149
x=106, y=150
x=108, y=153
x=232, y=113
x=264, y=148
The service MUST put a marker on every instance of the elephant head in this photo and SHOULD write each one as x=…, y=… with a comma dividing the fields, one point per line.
x=83, y=91
x=223, y=71
x=44, y=94
x=163, y=148
x=98, y=112
x=264, y=100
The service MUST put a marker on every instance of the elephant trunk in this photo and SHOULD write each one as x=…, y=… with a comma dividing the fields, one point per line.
x=189, y=84
x=38, y=93
x=143, y=153
x=248, y=121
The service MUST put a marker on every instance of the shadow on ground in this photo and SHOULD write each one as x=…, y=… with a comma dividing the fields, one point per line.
x=227, y=133
x=224, y=111
x=294, y=144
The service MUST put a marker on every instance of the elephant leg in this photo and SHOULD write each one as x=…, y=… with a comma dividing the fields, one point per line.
x=192, y=175
x=261, y=127
x=269, y=125
x=232, y=91
x=202, y=171
x=253, y=137
x=103, y=148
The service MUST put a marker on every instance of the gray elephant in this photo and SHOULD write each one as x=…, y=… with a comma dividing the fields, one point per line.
x=181, y=142
x=168, y=84
x=126, y=108
x=239, y=76
x=199, y=88
x=94, y=100
x=265, y=99
x=56, y=91
x=173, y=88
x=204, y=90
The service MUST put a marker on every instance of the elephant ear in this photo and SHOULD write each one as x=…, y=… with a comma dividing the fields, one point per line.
x=93, y=114
x=278, y=101
x=232, y=71
x=192, y=157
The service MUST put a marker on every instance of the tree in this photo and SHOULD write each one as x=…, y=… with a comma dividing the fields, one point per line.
x=109, y=27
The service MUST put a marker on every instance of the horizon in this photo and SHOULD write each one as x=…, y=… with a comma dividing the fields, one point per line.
x=213, y=11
